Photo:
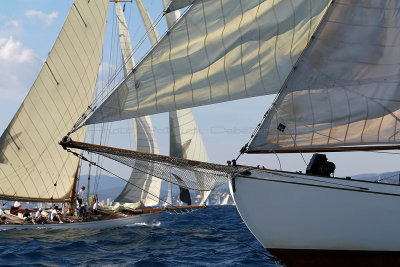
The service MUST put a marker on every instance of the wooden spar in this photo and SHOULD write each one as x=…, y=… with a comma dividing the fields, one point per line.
x=72, y=195
x=328, y=149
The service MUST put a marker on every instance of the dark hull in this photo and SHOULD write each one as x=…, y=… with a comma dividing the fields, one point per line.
x=306, y=257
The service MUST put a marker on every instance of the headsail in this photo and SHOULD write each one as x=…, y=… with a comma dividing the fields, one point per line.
x=218, y=51
x=33, y=167
x=141, y=188
x=345, y=89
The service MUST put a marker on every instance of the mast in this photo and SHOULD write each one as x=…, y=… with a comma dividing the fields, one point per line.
x=72, y=195
x=88, y=184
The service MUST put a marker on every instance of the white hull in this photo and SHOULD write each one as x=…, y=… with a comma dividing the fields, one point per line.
x=146, y=218
x=294, y=211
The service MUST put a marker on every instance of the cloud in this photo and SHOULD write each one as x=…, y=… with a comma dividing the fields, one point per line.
x=14, y=24
x=39, y=15
x=19, y=66
x=10, y=27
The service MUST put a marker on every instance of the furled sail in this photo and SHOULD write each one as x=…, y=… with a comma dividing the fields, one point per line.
x=142, y=188
x=33, y=166
x=218, y=51
x=345, y=89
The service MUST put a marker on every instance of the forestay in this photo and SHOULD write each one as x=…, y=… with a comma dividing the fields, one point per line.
x=345, y=89
x=218, y=51
x=32, y=165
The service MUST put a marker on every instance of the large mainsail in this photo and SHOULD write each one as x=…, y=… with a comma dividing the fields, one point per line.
x=345, y=89
x=141, y=188
x=32, y=164
x=218, y=51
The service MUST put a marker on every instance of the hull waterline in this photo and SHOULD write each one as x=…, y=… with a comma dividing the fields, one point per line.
x=320, y=220
x=146, y=218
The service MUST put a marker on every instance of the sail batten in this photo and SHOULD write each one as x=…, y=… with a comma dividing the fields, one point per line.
x=216, y=53
x=344, y=90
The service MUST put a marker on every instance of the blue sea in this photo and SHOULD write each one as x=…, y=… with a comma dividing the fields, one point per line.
x=215, y=236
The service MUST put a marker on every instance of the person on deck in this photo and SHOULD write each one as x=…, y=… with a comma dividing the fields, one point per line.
x=16, y=208
x=27, y=216
x=80, y=196
x=83, y=211
x=2, y=216
x=55, y=216
x=95, y=205
x=39, y=217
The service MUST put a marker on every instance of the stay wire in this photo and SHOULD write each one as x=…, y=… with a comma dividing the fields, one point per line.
x=197, y=218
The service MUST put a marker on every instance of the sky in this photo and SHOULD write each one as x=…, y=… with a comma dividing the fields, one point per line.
x=28, y=30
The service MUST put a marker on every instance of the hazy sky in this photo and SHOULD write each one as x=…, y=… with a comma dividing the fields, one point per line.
x=28, y=30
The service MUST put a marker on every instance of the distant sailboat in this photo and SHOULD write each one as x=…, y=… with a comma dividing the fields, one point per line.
x=335, y=67
x=225, y=200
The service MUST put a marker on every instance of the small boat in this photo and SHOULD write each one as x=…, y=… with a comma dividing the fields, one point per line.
x=35, y=169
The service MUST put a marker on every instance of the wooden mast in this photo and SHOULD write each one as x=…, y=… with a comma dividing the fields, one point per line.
x=72, y=195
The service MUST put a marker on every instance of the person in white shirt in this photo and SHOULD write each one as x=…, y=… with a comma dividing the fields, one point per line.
x=80, y=195
x=55, y=216
x=2, y=216
x=95, y=205
x=38, y=216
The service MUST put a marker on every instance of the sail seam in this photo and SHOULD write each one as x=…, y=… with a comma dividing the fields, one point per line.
x=224, y=46
x=259, y=45
x=80, y=14
x=241, y=48
x=54, y=77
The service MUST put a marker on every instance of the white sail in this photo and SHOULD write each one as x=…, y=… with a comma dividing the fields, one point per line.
x=32, y=164
x=225, y=199
x=186, y=141
x=148, y=23
x=345, y=89
x=141, y=188
x=185, y=138
x=168, y=201
x=177, y=4
x=172, y=16
x=218, y=51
